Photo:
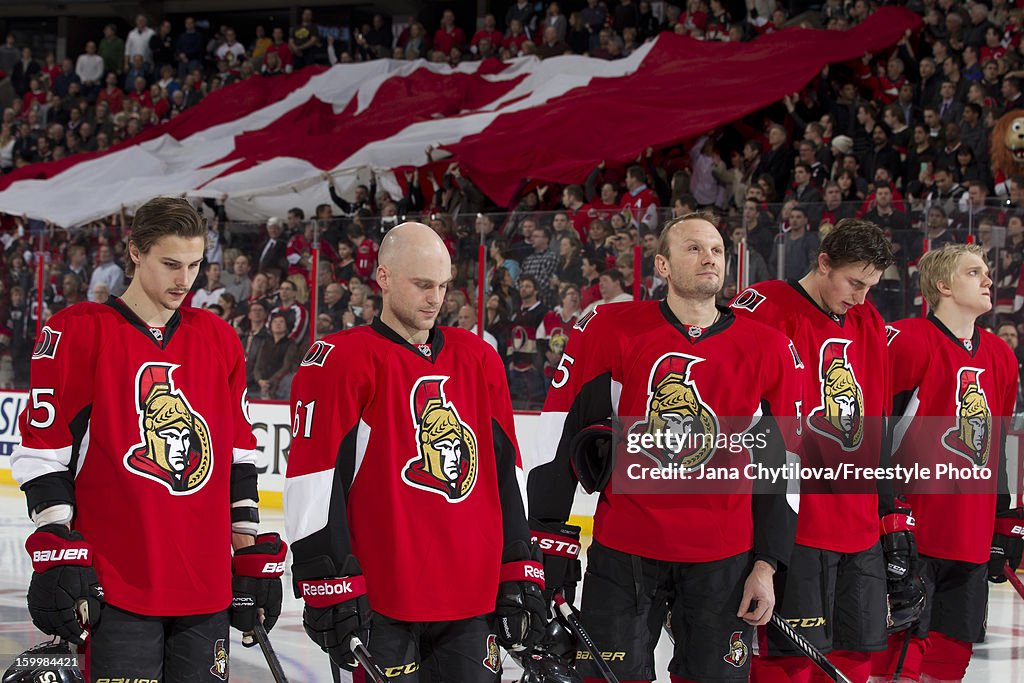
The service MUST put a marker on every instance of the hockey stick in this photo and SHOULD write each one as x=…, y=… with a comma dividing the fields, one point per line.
x=809, y=650
x=335, y=671
x=366, y=661
x=273, y=662
x=570, y=617
x=1011, y=576
x=903, y=657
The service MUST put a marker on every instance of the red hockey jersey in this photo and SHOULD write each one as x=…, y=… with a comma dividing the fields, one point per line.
x=408, y=460
x=952, y=400
x=140, y=429
x=846, y=393
x=636, y=361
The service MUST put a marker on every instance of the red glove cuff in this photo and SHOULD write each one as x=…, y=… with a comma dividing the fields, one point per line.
x=263, y=560
x=328, y=592
x=527, y=570
x=555, y=544
x=896, y=521
x=1010, y=526
x=49, y=550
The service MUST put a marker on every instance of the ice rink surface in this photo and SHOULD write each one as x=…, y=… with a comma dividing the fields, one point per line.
x=1001, y=658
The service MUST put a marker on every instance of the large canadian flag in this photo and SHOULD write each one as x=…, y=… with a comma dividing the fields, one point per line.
x=263, y=143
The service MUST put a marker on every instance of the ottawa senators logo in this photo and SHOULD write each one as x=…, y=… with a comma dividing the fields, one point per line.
x=175, y=447
x=969, y=436
x=748, y=300
x=46, y=346
x=492, y=662
x=220, y=660
x=677, y=416
x=840, y=416
x=447, y=460
x=738, y=651
x=317, y=353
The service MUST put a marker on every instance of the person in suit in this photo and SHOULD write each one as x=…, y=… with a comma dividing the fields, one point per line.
x=271, y=253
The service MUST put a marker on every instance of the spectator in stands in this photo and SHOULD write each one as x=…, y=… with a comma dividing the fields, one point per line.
x=111, y=49
x=107, y=272
x=542, y=264
x=271, y=253
x=22, y=335
x=1011, y=92
x=161, y=47
x=569, y=264
x=24, y=71
x=777, y=162
x=803, y=189
x=305, y=42
x=448, y=35
x=210, y=292
x=297, y=315
x=552, y=45
x=515, y=38
x=467, y=321
x=89, y=70
x=526, y=378
x=277, y=361
x=231, y=51
x=239, y=282
x=137, y=42
x=188, y=48
x=947, y=193
x=416, y=46
x=111, y=95
x=884, y=214
x=489, y=31
x=9, y=54
x=801, y=247
x=254, y=335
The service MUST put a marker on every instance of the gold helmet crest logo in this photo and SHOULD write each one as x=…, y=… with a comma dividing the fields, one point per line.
x=840, y=416
x=447, y=460
x=738, y=651
x=175, y=448
x=675, y=407
x=970, y=435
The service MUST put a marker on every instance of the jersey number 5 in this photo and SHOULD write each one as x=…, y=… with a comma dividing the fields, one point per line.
x=42, y=399
x=562, y=371
x=297, y=425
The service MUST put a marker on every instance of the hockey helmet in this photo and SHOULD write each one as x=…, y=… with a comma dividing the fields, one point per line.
x=44, y=674
x=904, y=605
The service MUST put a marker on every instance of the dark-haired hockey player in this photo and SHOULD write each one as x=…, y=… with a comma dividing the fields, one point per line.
x=834, y=589
x=403, y=486
x=138, y=462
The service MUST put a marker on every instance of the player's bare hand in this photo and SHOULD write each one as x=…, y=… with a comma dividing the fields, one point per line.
x=758, y=595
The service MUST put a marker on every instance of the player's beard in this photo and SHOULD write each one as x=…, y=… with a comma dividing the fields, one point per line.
x=698, y=288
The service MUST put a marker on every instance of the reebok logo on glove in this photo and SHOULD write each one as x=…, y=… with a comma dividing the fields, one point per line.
x=329, y=592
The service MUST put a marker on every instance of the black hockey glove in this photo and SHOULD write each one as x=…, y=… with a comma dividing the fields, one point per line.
x=520, y=613
x=560, y=544
x=64, y=596
x=899, y=547
x=336, y=608
x=1007, y=543
x=256, y=584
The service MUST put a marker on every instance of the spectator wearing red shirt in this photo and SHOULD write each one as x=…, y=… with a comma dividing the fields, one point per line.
x=640, y=202
x=111, y=94
x=448, y=35
x=573, y=201
x=515, y=38
x=281, y=49
x=489, y=31
x=35, y=95
x=365, y=251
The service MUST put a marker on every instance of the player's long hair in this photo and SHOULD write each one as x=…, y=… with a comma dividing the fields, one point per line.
x=163, y=216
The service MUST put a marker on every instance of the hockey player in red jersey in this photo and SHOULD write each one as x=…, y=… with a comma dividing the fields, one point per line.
x=403, y=487
x=954, y=386
x=665, y=368
x=138, y=462
x=834, y=589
